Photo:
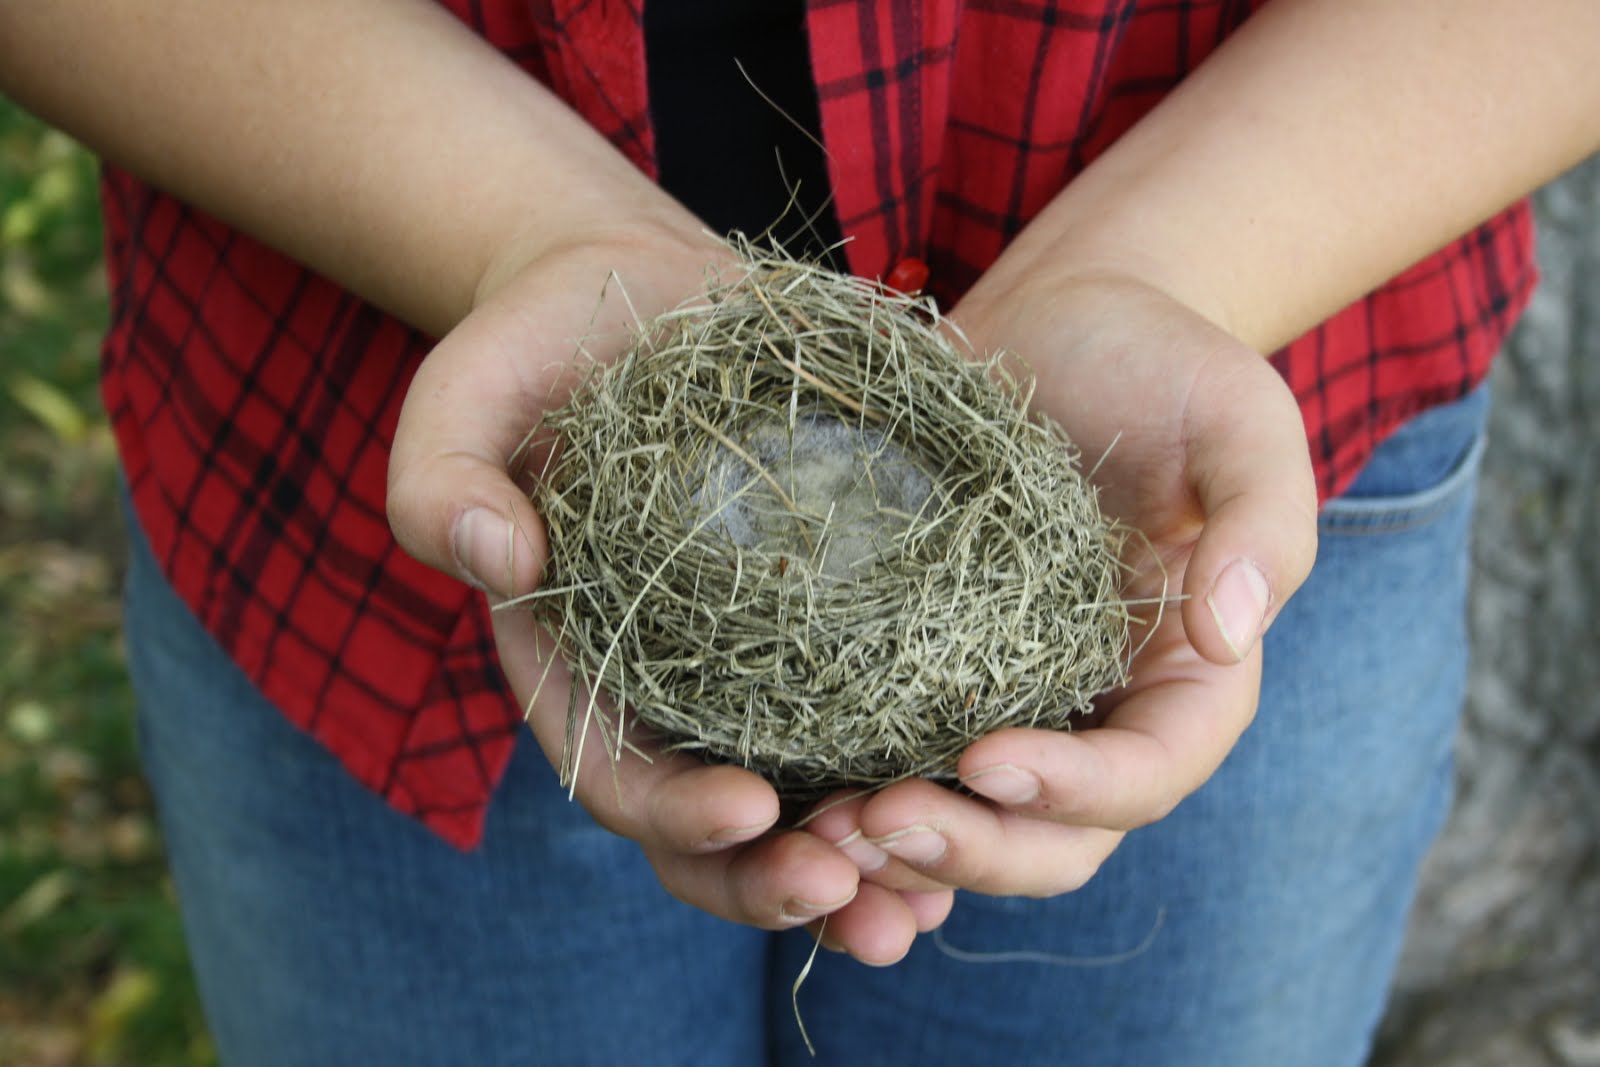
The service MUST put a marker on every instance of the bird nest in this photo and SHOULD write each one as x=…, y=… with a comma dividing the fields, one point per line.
x=795, y=529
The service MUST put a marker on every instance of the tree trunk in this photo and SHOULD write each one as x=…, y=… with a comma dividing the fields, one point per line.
x=1503, y=963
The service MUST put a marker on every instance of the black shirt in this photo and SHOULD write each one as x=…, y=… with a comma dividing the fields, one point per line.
x=729, y=155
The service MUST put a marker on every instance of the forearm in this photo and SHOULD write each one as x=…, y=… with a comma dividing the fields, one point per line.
x=1326, y=147
x=378, y=141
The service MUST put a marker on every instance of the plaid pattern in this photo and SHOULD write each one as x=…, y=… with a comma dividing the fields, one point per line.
x=951, y=125
x=254, y=402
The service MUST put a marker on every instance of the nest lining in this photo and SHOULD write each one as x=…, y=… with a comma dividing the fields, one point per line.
x=863, y=488
x=795, y=529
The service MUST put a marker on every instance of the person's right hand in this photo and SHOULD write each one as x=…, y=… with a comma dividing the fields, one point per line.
x=707, y=830
x=1199, y=445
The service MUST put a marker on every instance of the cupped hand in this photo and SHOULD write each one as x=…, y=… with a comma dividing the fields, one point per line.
x=1199, y=445
x=707, y=831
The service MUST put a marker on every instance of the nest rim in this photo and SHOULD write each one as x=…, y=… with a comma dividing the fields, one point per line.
x=999, y=605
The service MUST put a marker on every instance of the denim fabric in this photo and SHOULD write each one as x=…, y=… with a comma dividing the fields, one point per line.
x=1257, y=925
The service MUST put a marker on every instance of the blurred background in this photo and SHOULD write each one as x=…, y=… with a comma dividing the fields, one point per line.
x=92, y=967
x=1503, y=967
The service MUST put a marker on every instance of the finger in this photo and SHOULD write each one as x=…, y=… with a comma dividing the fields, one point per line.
x=837, y=820
x=708, y=808
x=472, y=404
x=1155, y=748
x=1257, y=493
x=451, y=502
x=689, y=818
x=777, y=882
x=877, y=928
x=665, y=802
x=972, y=845
x=930, y=910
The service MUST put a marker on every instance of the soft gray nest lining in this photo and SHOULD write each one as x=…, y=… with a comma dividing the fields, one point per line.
x=839, y=497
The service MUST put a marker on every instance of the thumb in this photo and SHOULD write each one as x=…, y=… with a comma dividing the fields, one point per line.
x=451, y=502
x=1258, y=495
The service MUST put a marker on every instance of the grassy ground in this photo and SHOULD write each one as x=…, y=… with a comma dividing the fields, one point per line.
x=92, y=966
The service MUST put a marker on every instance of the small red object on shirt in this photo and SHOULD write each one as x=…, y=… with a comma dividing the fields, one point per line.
x=910, y=275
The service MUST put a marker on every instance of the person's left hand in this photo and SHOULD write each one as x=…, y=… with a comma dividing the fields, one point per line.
x=1202, y=449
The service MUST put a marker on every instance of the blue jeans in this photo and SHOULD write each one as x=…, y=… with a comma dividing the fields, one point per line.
x=1258, y=925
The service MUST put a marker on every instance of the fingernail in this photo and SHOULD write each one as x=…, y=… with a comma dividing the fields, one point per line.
x=795, y=910
x=864, y=854
x=732, y=835
x=1238, y=603
x=914, y=844
x=481, y=543
x=1005, y=784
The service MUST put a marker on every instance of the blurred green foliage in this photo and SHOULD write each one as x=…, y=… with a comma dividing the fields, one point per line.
x=92, y=963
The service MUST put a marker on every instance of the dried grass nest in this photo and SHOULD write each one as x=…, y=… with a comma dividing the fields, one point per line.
x=794, y=528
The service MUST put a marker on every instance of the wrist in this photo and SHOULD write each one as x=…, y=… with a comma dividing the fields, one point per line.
x=1323, y=149
x=663, y=232
x=1052, y=278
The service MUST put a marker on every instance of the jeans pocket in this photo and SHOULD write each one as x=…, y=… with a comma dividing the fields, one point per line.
x=1422, y=471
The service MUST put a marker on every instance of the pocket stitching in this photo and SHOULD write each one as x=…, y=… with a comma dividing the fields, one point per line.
x=1382, y=515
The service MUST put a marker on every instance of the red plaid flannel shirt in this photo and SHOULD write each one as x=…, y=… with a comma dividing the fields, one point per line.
x=254, y=402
